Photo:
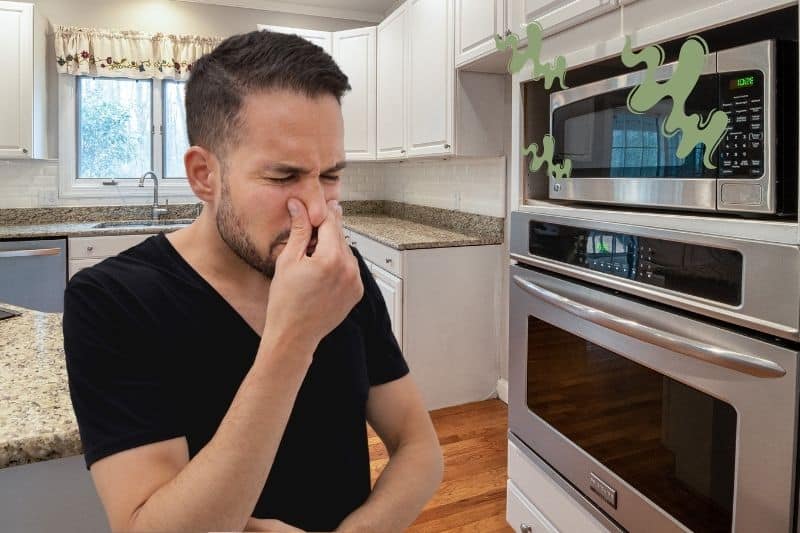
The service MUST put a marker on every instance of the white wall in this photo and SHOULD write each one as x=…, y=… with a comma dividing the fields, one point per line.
x=472, y=185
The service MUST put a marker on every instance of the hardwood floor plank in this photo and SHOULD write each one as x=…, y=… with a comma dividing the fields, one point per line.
x=472, y=496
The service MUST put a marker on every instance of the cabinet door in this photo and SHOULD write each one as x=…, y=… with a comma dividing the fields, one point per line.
x=476, y=25
x=16, y=84
x=354, y=52
x=392, y=290
x=322, y=39
x=556, y=15
x=392, y=67
x=431, y=77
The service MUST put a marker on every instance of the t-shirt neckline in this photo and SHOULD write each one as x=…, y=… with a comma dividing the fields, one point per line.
x=171, y=250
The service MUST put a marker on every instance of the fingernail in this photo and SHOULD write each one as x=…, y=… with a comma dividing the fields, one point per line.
x=292, y=205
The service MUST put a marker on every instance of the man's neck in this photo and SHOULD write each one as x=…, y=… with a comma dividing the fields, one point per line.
x=202, y=247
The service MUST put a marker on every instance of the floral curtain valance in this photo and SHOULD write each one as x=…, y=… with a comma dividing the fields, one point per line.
x=129, y=54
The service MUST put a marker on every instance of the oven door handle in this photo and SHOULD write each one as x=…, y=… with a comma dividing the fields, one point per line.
x=745, y=363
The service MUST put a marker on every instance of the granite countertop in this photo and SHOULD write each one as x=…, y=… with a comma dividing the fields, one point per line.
x=406, y=235
x=37, y=422
x=400, y=226
x=85, y=229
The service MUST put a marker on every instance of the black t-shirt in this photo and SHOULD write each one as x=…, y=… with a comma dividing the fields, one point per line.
x=154, y=352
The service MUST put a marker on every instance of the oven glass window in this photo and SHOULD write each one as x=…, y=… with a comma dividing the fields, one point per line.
x=604, y=139
x=674, y=444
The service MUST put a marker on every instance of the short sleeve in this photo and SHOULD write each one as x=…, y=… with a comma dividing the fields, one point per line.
x=120, y=395
x=385, y=361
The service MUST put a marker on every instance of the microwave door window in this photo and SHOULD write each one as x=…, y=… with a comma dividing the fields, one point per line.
x=603, y=138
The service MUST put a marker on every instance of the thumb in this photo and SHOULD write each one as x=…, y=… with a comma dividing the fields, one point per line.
x=300, y=233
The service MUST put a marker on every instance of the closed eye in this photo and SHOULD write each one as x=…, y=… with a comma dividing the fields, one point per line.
x=329, y=177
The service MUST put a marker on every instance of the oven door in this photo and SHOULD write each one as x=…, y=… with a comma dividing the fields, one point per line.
x=664, y=421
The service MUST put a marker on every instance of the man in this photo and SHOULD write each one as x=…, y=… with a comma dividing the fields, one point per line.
x=222, y=375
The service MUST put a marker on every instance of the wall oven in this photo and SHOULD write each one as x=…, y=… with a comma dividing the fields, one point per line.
x=648, y=371
x=621, y=158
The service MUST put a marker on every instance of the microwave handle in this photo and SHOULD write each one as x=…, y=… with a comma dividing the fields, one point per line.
x=747, y=364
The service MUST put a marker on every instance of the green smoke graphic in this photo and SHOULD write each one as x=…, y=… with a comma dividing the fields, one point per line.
x=643, y=97
x=557, y=70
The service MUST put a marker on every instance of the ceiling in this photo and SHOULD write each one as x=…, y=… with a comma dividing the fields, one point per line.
x=364, y=10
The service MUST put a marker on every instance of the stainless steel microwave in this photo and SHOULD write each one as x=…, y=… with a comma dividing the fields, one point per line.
x=621, y=158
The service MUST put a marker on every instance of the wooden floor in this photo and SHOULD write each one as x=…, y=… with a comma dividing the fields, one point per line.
x=472, y=496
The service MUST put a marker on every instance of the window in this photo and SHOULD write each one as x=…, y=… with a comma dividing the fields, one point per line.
x=113, y=130
x=114, y=127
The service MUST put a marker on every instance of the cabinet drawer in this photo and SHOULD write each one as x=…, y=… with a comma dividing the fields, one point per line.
x=561, y=510
x=381, y=255
x=79, y=264
x=522, y=515
x=102, y=246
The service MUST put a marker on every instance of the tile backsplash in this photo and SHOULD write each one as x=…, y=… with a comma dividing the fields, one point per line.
x=469, y=185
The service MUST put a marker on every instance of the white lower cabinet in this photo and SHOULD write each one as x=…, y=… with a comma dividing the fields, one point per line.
x=539, y=501
x=87, y=251
x=445, y=307
x=523, y=516
x=392, y=291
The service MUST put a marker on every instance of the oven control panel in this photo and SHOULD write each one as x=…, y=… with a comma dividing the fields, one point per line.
x=741, y=152
x=702, y=271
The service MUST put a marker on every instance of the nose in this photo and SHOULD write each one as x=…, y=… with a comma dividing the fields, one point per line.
x=312, y=194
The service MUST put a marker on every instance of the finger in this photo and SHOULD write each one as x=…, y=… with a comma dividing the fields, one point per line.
x=300, y=232
x=329, y=233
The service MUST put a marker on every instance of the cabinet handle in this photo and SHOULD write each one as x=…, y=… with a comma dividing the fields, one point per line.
x=388, y=260
x=24, y=150
x=402, y=151
x=354, y=243
x=525, y=528
x=89, y=248
x=446, y=146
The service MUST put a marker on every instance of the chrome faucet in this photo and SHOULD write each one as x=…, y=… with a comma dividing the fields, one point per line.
x=156, y=209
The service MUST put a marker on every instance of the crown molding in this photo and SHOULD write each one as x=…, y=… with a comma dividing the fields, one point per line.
x=297, y=9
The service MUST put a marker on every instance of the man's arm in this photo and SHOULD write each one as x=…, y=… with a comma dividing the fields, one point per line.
x=397, y=414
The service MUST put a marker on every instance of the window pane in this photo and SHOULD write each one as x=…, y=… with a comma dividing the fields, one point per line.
x=114, y=127
x=176, y=140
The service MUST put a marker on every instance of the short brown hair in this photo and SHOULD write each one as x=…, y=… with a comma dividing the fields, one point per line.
x=247, y=63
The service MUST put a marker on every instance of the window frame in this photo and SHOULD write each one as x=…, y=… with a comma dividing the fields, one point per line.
x=70, y=186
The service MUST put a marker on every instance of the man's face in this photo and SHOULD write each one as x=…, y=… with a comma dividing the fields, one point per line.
x=290, y=146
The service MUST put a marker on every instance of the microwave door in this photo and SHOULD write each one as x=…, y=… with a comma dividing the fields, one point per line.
x=620, y=157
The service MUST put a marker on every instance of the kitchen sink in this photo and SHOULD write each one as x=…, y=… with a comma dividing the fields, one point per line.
x=139, y=223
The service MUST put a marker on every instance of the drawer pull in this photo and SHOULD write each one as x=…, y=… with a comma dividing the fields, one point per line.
x=388, y=260
x=30, y=253
x=525, y=528
x=89, y=248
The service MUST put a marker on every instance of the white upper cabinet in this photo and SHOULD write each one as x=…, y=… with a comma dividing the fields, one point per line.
x=392, y=65
x=476, y=25
x=556, y=15
x=323, y=39
x=354, y=52
x=430, y=77
x=425, y=107
x=22, y=86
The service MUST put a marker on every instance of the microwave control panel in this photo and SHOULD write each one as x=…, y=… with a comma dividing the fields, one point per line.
x=701, y=271
x=741, y=151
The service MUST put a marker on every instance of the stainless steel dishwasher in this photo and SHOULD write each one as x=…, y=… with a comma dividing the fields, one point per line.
x=33, y=273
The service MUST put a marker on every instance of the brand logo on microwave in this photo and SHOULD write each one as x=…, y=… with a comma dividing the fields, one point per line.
x=695, y=128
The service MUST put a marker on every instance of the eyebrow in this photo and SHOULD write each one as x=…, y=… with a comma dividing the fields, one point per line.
x=291, y=169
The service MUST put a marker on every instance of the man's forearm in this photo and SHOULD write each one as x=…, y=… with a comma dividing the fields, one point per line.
x=410, y=478
x=219, y=487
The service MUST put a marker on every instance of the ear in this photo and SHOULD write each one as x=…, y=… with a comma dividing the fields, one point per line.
x=202, y=170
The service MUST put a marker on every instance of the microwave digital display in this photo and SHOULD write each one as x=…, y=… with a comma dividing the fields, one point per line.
x=738, y=83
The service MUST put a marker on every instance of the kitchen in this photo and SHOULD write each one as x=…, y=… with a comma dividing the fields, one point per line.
x=660, y=273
